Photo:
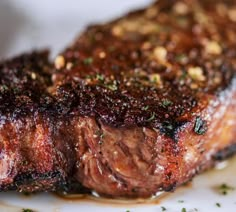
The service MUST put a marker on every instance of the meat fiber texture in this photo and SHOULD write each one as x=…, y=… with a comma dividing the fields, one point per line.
x=132, y=107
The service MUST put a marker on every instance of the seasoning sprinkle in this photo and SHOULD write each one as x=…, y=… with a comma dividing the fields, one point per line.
x=213, y=47
x=224, y=189
x=232, y=14
x=27, y=210
x=166, y=103
x=88, y=61
x=33, y=76
x=102, y=55
x=145, y=108
x=112, y=87
x=59, y=62
x=163, y=208
x=196, y=73
x=200, y=126
x=160, y=54
x=181, y=8
x=3, y=88
x=100, y=77
x=69, y=65
x=152, y=117
x=218, y=205
x=156, y=78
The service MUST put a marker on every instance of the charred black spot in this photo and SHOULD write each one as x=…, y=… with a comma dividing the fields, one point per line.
x=171, y=129
x=170, y=187
x=27, y=178
x=73, y=187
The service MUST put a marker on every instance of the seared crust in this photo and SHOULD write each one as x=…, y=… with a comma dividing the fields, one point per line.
x=23, y=84
x=33, y=155
x=158, y=86
x=135, y=106
x=161, y=65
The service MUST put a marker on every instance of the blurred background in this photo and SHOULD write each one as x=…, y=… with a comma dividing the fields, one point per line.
x=27, y=24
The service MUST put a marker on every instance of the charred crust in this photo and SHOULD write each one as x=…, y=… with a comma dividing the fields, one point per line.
x=170, y=187
x=171, y=129
x=72, y=187
x=24, y=82
x=225, y=153
x=28, y=182
x=150, y=81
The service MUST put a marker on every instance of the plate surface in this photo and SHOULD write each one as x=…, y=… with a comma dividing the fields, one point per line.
x=26, y=25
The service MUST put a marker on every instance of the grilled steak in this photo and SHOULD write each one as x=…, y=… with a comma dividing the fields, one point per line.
x=33, y=154
x=135, y=106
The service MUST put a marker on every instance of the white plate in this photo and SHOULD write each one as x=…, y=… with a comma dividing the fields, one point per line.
x=202, y=194
x=26, y=25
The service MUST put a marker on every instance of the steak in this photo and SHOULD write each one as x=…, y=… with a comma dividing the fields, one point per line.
x=133, y=107
x=33, y=155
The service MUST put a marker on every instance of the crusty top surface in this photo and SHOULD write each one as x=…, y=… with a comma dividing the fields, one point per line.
x=161, y=64
x=23, y=85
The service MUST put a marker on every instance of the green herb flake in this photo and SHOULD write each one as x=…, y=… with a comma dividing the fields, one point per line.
x=166, y=103
x=224, y=189
x=183, y=76
x=183, y=210
x=112, y=87
x=180, y=57
x=163, y=208
x=181, y=201
x=218, y=205
x=152, y=117
x=100, y=77
x=111, y=48
x=27, y=210
x=3, y=88
x=88, y=76
x=25, y=193
x=200, y=126
x=88, y=61
x=145, y=108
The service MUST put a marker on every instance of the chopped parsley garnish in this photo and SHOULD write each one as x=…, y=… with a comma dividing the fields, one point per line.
x=180, y=57
x=200, y=126
x=181, y=201
x=166, y=103
x=183, y=76
x=111, y=48
x=100, y=77
x=88, y=61
x=163, y=208
x=26, y=193
x=183, y=210
x=218, y=205
x=153, y=115
x=224, y=189
x=145, y=108
x=3, y=88
x=27, y=210
x=112, y=87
